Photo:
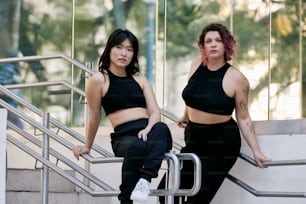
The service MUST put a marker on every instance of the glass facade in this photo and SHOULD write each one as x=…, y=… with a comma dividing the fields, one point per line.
x=270, y=36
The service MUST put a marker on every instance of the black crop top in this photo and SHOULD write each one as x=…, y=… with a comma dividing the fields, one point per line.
x=204, y=91
x=123, y=92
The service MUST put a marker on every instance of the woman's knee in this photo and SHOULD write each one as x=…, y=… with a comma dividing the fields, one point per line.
x=162, y=127
x=138, y=146
x=163, y=132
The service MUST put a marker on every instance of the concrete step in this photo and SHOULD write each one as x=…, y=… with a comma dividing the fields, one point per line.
x=30, y=180
x=24, y=187
x=13, y=197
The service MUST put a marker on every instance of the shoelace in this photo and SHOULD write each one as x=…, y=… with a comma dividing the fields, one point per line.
x=142, y=187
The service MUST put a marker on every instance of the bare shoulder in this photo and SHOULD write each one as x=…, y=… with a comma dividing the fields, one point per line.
x=194, y=65
x=94, y=91
x=97, y=83
x=196, y=62
x=141, y=79
x=236, y=75
x=241, y=82
x=97, y=79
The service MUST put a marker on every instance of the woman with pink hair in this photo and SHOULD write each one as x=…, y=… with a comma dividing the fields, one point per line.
x=214, y=90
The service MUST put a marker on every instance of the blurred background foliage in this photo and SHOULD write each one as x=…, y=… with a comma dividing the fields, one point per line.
x=269, y=33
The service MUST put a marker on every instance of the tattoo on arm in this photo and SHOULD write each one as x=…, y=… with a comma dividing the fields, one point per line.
x=252, y=130
x=251, y=127
x=246, y=90
x=243, y=105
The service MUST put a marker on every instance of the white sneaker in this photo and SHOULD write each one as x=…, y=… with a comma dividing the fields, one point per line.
x=141, y=191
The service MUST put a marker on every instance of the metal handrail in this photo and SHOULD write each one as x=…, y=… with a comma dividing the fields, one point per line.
x=197, y=177
x=294, y=162
x=265, y=193
x=59, y=170
x=173, y=118
x=60, y=157
x=46, y=57
x=47, y=83
x=53, y=121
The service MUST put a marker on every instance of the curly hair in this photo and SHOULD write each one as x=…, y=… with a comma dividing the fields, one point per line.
x=116, y=38
x=226, y=36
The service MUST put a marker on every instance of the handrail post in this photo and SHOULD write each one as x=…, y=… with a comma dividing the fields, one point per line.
x=169, y=199
x=172, y=178
x=45, y=154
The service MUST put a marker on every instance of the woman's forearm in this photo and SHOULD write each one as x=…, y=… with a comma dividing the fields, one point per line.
x=93, y=126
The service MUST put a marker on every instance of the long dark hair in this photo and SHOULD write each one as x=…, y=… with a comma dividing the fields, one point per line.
x=116, y=38
x=227, y=38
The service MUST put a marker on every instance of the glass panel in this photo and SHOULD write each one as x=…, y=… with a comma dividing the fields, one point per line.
x=250, y=25
x=269, y=50
x=45, y=29
x=285, y=98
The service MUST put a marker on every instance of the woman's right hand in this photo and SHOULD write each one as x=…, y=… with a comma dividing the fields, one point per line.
x=78, y=150
x=182, y=122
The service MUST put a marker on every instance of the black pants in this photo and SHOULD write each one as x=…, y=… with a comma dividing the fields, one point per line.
x=218, y=147
x=141, y=159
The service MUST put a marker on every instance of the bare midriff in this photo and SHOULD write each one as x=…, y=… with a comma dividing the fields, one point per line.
x=126, y=115
x=201, y=117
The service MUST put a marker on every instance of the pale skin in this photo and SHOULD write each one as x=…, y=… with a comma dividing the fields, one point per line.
x=96, y=88
x=235, y=84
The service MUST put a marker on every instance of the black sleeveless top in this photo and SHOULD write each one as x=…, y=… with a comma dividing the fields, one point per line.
x=123, y=92
x=204, y=91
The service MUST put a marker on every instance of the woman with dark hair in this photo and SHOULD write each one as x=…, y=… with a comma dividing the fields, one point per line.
x=130, y=105
x=214, y=90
